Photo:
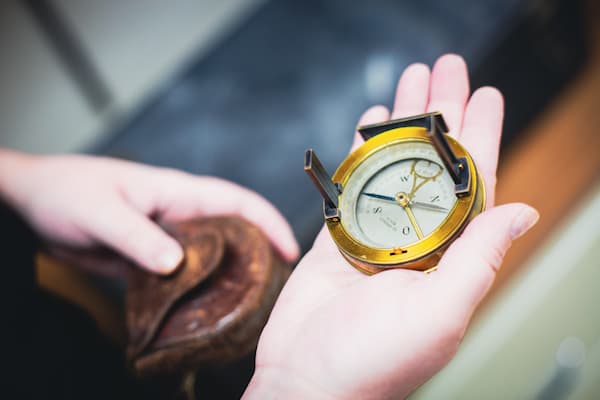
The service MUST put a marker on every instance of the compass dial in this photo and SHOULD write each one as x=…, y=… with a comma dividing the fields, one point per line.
x=398, y=196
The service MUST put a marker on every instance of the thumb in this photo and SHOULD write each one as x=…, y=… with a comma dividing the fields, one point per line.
x=469, y=266
x=135, y=236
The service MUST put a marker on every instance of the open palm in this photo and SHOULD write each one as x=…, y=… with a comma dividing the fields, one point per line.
x=337, y=333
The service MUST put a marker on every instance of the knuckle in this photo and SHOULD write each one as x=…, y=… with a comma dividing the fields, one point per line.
x=493, y=257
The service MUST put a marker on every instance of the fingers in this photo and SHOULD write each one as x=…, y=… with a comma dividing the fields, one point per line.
x=185, y=196
x=373, y=115
x=469, y=266
x=132, y=234
x=482, y=128
x=412, y=93
x=449, y=90
x=445, y=89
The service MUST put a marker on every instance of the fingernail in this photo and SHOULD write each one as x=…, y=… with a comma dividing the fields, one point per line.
x=169, y=260
x=523, y=222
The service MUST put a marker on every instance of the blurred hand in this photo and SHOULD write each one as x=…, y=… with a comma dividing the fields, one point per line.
x=336, y=333
x=86, y=201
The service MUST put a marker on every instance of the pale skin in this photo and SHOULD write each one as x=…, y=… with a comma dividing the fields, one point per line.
x=336, y=333
x=86, y=201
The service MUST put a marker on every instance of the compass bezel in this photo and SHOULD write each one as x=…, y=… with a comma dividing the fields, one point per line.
x=424, y=253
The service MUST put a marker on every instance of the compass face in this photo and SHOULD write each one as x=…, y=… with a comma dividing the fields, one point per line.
x=397, y=196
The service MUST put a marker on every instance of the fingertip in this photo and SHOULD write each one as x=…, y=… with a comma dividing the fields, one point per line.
x=374, y=114
x=417, y=69
x=168, y=257
x=499, y=216
x=485, y=109
x=493, y=229
x=287, y=248
x=412, y=92
x=284, y=240
x=489, y=94
x=525, y=219
x=293, y=251
x=259, y=211
x=451, y=59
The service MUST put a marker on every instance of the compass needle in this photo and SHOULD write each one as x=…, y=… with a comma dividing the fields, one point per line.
x=428, y=206
x=413, y=221
x=379, y=196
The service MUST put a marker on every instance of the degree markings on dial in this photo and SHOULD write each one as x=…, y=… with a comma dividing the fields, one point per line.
x=371, y=177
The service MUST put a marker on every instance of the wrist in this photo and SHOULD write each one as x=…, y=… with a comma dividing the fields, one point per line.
x=270, y=383
x=14, y=167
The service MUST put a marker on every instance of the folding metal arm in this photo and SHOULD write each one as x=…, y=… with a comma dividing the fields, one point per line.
x=322, y=180
x=436, y=131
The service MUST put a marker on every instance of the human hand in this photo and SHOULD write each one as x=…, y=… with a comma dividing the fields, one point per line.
x=85, y=201
x=337, y=333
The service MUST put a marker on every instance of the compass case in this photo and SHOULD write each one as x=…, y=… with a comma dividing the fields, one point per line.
x=210, y=311
x=213, y=308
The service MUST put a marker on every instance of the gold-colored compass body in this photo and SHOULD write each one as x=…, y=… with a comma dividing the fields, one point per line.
x=401, y=198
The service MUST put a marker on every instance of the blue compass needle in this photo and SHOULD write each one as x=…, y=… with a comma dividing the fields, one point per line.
x=379, y=196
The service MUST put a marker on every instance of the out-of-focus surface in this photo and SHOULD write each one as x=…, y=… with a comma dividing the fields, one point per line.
x=40, y=108
x=135, y=47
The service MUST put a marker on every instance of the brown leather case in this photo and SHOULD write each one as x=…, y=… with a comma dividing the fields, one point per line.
x=210, y=310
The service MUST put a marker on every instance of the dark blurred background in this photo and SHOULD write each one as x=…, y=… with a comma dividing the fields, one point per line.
x=240, y=88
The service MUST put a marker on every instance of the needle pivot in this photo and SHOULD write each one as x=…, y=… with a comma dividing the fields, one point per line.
x=402, y=199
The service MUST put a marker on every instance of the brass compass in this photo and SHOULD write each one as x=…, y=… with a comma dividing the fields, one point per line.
x=402, y=197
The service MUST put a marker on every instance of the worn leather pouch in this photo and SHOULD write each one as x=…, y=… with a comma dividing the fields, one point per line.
x=211, y=310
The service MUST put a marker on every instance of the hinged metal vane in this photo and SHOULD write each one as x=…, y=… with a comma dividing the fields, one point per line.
x=436, y=129
x=322, y=180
